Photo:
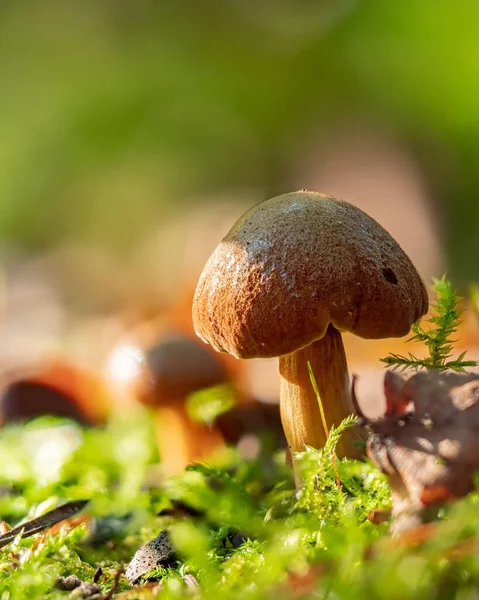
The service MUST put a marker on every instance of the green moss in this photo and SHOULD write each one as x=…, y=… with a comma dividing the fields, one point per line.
x=251, y=535
x=284, y=532
x=436, y=336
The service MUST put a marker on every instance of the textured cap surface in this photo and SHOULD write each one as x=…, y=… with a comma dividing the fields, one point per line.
x=296, y=263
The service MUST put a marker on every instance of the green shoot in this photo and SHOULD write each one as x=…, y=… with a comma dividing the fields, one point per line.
x=333, y=435
x=437, y=335
x=320, y=404
x=336, y=432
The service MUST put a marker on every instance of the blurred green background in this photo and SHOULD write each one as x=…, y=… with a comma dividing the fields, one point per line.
x=116, y=114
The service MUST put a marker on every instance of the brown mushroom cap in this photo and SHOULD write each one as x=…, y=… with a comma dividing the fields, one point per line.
x=28, y=399
x=56, y=388
x=296, y=263
x=177, y=366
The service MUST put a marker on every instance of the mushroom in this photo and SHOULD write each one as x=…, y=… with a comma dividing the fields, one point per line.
x=291, y=275
x=176, y=366
x=55, y=388
x=162, y=374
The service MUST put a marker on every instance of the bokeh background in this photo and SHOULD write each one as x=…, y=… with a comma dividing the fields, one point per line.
x=133, y=134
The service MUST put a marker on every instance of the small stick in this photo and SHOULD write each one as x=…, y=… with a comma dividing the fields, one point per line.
x=354, y=399
x=45, y=521
x=114, y=585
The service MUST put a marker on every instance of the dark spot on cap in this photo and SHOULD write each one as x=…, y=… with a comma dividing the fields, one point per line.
x=390, y=275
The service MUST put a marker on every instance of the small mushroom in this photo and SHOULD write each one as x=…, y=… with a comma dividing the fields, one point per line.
x=24, y=400
x=175, y=367
x=58, y=389
x=291, y=275
x=161, y=375
x=150, y=556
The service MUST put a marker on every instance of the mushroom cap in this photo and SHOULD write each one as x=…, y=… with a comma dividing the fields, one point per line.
x=55, y=388
x=24, y=400
x=294, y=264
x=176, y=366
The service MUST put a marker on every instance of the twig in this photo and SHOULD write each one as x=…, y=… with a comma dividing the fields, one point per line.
x=114, y=585
x=45, y=521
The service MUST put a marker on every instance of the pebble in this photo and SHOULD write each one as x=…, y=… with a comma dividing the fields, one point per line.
x=85, y=590
x=69, y=583
x=153, y=554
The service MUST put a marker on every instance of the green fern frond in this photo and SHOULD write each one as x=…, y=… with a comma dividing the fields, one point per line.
x=336, y=432
x=436, y=335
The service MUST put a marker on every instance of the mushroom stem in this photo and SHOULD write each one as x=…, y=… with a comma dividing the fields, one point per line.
x=174, y=444
x=299, y=405
x=180, y=440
